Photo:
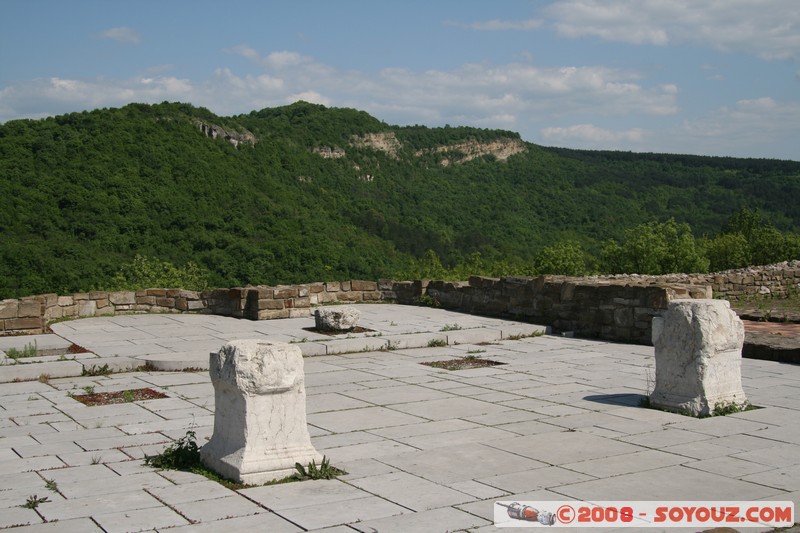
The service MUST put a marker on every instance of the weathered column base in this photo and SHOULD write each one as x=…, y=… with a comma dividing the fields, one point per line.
x=698, y=349
x=260, y=429
x=272, y=465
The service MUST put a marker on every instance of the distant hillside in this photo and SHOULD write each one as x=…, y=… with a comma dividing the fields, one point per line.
x=306, y=193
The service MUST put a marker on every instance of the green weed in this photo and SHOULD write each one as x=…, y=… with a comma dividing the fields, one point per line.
x=96, y=371
x=312, y=471
x=729, y=408
x=183, y=454
x=34, y=501
x=437, y=343
x=524, y=336
x=29, y=350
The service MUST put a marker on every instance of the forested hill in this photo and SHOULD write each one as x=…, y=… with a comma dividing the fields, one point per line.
x=306, y=193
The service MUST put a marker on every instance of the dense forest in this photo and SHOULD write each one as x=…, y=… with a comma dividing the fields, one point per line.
x=308, y=193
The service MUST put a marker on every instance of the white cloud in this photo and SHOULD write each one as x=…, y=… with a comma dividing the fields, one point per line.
x=121, y=34
x=244, y=51
x=589, y=136
x=513, y=95
x=768, y=28
x=755, y=126
x=499, y=25
x=309, y=96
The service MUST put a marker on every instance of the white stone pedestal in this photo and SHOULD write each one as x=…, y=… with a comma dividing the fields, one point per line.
x=698, y=348
x=260, y=427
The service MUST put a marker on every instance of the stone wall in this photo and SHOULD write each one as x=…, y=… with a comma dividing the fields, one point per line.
x=611, y=307
x=618, y=310
x=779, y=280
x=32, y=314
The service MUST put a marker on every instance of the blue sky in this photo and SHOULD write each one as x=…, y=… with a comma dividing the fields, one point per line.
x=712, y=77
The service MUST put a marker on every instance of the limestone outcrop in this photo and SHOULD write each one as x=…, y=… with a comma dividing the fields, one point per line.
x=234, y=137
x=459, y=153
x=386, y=142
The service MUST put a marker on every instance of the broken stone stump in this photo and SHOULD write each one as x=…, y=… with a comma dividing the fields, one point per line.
x=698, y=347
x=336, y=319
x=260, y=427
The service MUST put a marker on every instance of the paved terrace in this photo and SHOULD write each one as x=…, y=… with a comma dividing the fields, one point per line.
x=426, y=449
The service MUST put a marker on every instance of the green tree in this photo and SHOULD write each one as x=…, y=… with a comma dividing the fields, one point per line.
x=655, y=248
x=727, y=251
x=566, y=258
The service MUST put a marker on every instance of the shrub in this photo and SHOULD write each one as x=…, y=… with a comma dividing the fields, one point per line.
x=145, y=273
x=567, y=258
x=655, y=248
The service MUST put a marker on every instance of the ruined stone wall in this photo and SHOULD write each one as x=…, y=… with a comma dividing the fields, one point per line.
x=618, y=310
x=612, y=307
x=32, y=314
x=779, y=280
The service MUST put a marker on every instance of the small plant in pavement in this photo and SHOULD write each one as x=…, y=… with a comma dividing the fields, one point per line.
x=34, y=501
x=312, y=471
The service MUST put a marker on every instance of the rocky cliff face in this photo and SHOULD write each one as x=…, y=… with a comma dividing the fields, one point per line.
x=458, y=153
x=234, y=137
x=385, y=142
x=328, y=152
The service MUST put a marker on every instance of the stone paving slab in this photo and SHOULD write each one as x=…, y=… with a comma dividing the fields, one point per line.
x=425, y=449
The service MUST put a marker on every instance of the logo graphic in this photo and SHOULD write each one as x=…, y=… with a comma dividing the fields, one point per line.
x=529, y=514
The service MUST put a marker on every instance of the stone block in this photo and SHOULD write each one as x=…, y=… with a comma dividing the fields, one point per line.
x=146, y=300
x=623, y=317
x=271, y=315
x=87, y=308
x=23, y=323
x=326, y=297
x=8, y=309
x=29, y=308
x=286, y=292
x=346, y=285
x=348, y=296
x=195, y=305
x=336, y=319
x=359, y=285
x=299, y=303
x=698, y=350
x=316, y=288
x=51, y=313
x=98, y=295
x=104, y=311
x=122, y=298
x=165, y=302
x=372, y=295
x=270, y=304
x=236, y=293
x=260, y=428
x=64, y=301
x=333, y=286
